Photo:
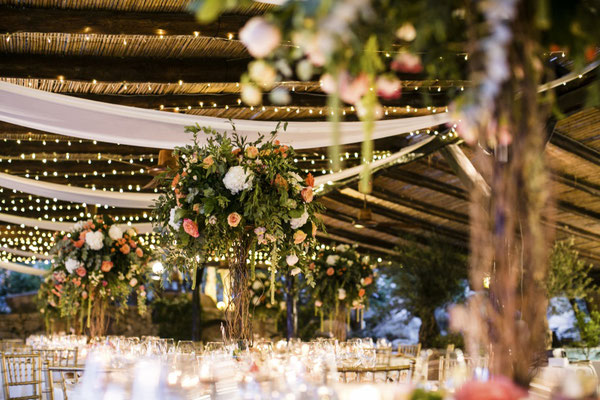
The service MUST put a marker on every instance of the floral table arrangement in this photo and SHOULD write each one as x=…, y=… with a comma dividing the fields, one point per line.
x=344, y=281
x=261, y=306
x=97, y=265
x=230, y=199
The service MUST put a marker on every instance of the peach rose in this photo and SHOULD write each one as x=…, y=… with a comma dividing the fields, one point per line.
x=368, y=280
x=307, y=194
x=196, y=207
x=79, y=243
x=76, y=281
x=82, y=235
x=175, y=181
x=299, y=237
x=311, y=266
x=133, y=282
x=106, y=266
x=310, y=180
x=84, y=295
x=251, y=152
x=190, y=227
x=236, y=152
x=361, y=292
x=280, y=182
x=125, y=249
x=207, y=162
x=139, y=252
x=234, y=219
x=81, y=271
x=314, y=229
x=330, y=271
x=132, y=244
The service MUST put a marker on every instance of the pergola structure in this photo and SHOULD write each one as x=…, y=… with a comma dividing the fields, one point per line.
x=153, y=54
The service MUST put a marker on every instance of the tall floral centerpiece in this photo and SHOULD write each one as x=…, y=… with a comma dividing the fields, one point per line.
x=344, y=281
x=97, y=265
x=231, y=198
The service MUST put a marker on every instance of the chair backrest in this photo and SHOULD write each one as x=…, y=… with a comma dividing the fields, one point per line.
x=409, y=350
x=59, y=357
x=13, y=346
x=60, y=378
x=21, y=372
x=384, y=374
x=384, y=356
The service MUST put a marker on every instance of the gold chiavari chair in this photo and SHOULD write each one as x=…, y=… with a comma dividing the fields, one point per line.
x=399, y=374
x=19, y=373
x=410, y=351
x=383, y=356
x=54, y=358
x=67, y=376
x=9, y=346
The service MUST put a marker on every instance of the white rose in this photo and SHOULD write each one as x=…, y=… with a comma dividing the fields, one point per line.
x=341, y=294
x=292, y=259
x=71, y=265
x=296, y=223
x=295, y=271
x=251, y=94
x=95, y=240
x=131, y=232
x=256, y=300
x=282, y=305
x=366, y=259
x=174, y=225
x=238, y=179
x=115, y=233
x=257, y=285
x=78, y=226
x=260, y=37
x=297, y=177
x=342, y=248
x=331, y=259
x=262, y=73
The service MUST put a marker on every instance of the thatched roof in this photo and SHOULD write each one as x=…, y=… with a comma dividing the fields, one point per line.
x=153, y=54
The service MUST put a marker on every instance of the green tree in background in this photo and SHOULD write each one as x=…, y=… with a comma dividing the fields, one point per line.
x=568, y=274
x=589, y=330
x=428, y=276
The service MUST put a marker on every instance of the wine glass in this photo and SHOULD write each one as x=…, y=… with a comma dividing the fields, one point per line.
x=186, y=347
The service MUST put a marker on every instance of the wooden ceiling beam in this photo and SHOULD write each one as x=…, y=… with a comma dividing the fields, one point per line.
x=123, y=70
x=46, y=20
x=574, y=147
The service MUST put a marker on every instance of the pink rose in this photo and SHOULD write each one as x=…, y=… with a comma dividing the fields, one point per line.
x=139, y=252
x=133, y=282
x=307, y=194
x=104, y=283
x=260, y=37
x=299, y=237
x=352, y=90
x=190, y=227
x=81, y=271
x=408, y=63
x=389, y=88
x=318, y=303
x=330, y=271
x=84, y=295
x=234, y=219
x=499, y=388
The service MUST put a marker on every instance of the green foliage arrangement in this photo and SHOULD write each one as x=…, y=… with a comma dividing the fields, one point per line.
x=428, y=276
x=98, y=264
x=232, y=191
x=344, y=279
x=589, y=330
x=568, y=275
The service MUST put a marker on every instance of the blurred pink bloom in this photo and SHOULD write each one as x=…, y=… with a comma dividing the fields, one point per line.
x=260, y=37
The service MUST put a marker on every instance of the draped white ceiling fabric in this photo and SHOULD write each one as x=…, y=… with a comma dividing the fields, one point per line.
x=24, y=253
x=62, y=226
x=104, y=122
x=143, y=200
x=22, y=269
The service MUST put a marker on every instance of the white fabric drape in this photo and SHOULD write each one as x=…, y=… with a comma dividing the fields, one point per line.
x=94, y=120
x=142, y=200
x=22, y=269
x=24, y=253
x=62, y=226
